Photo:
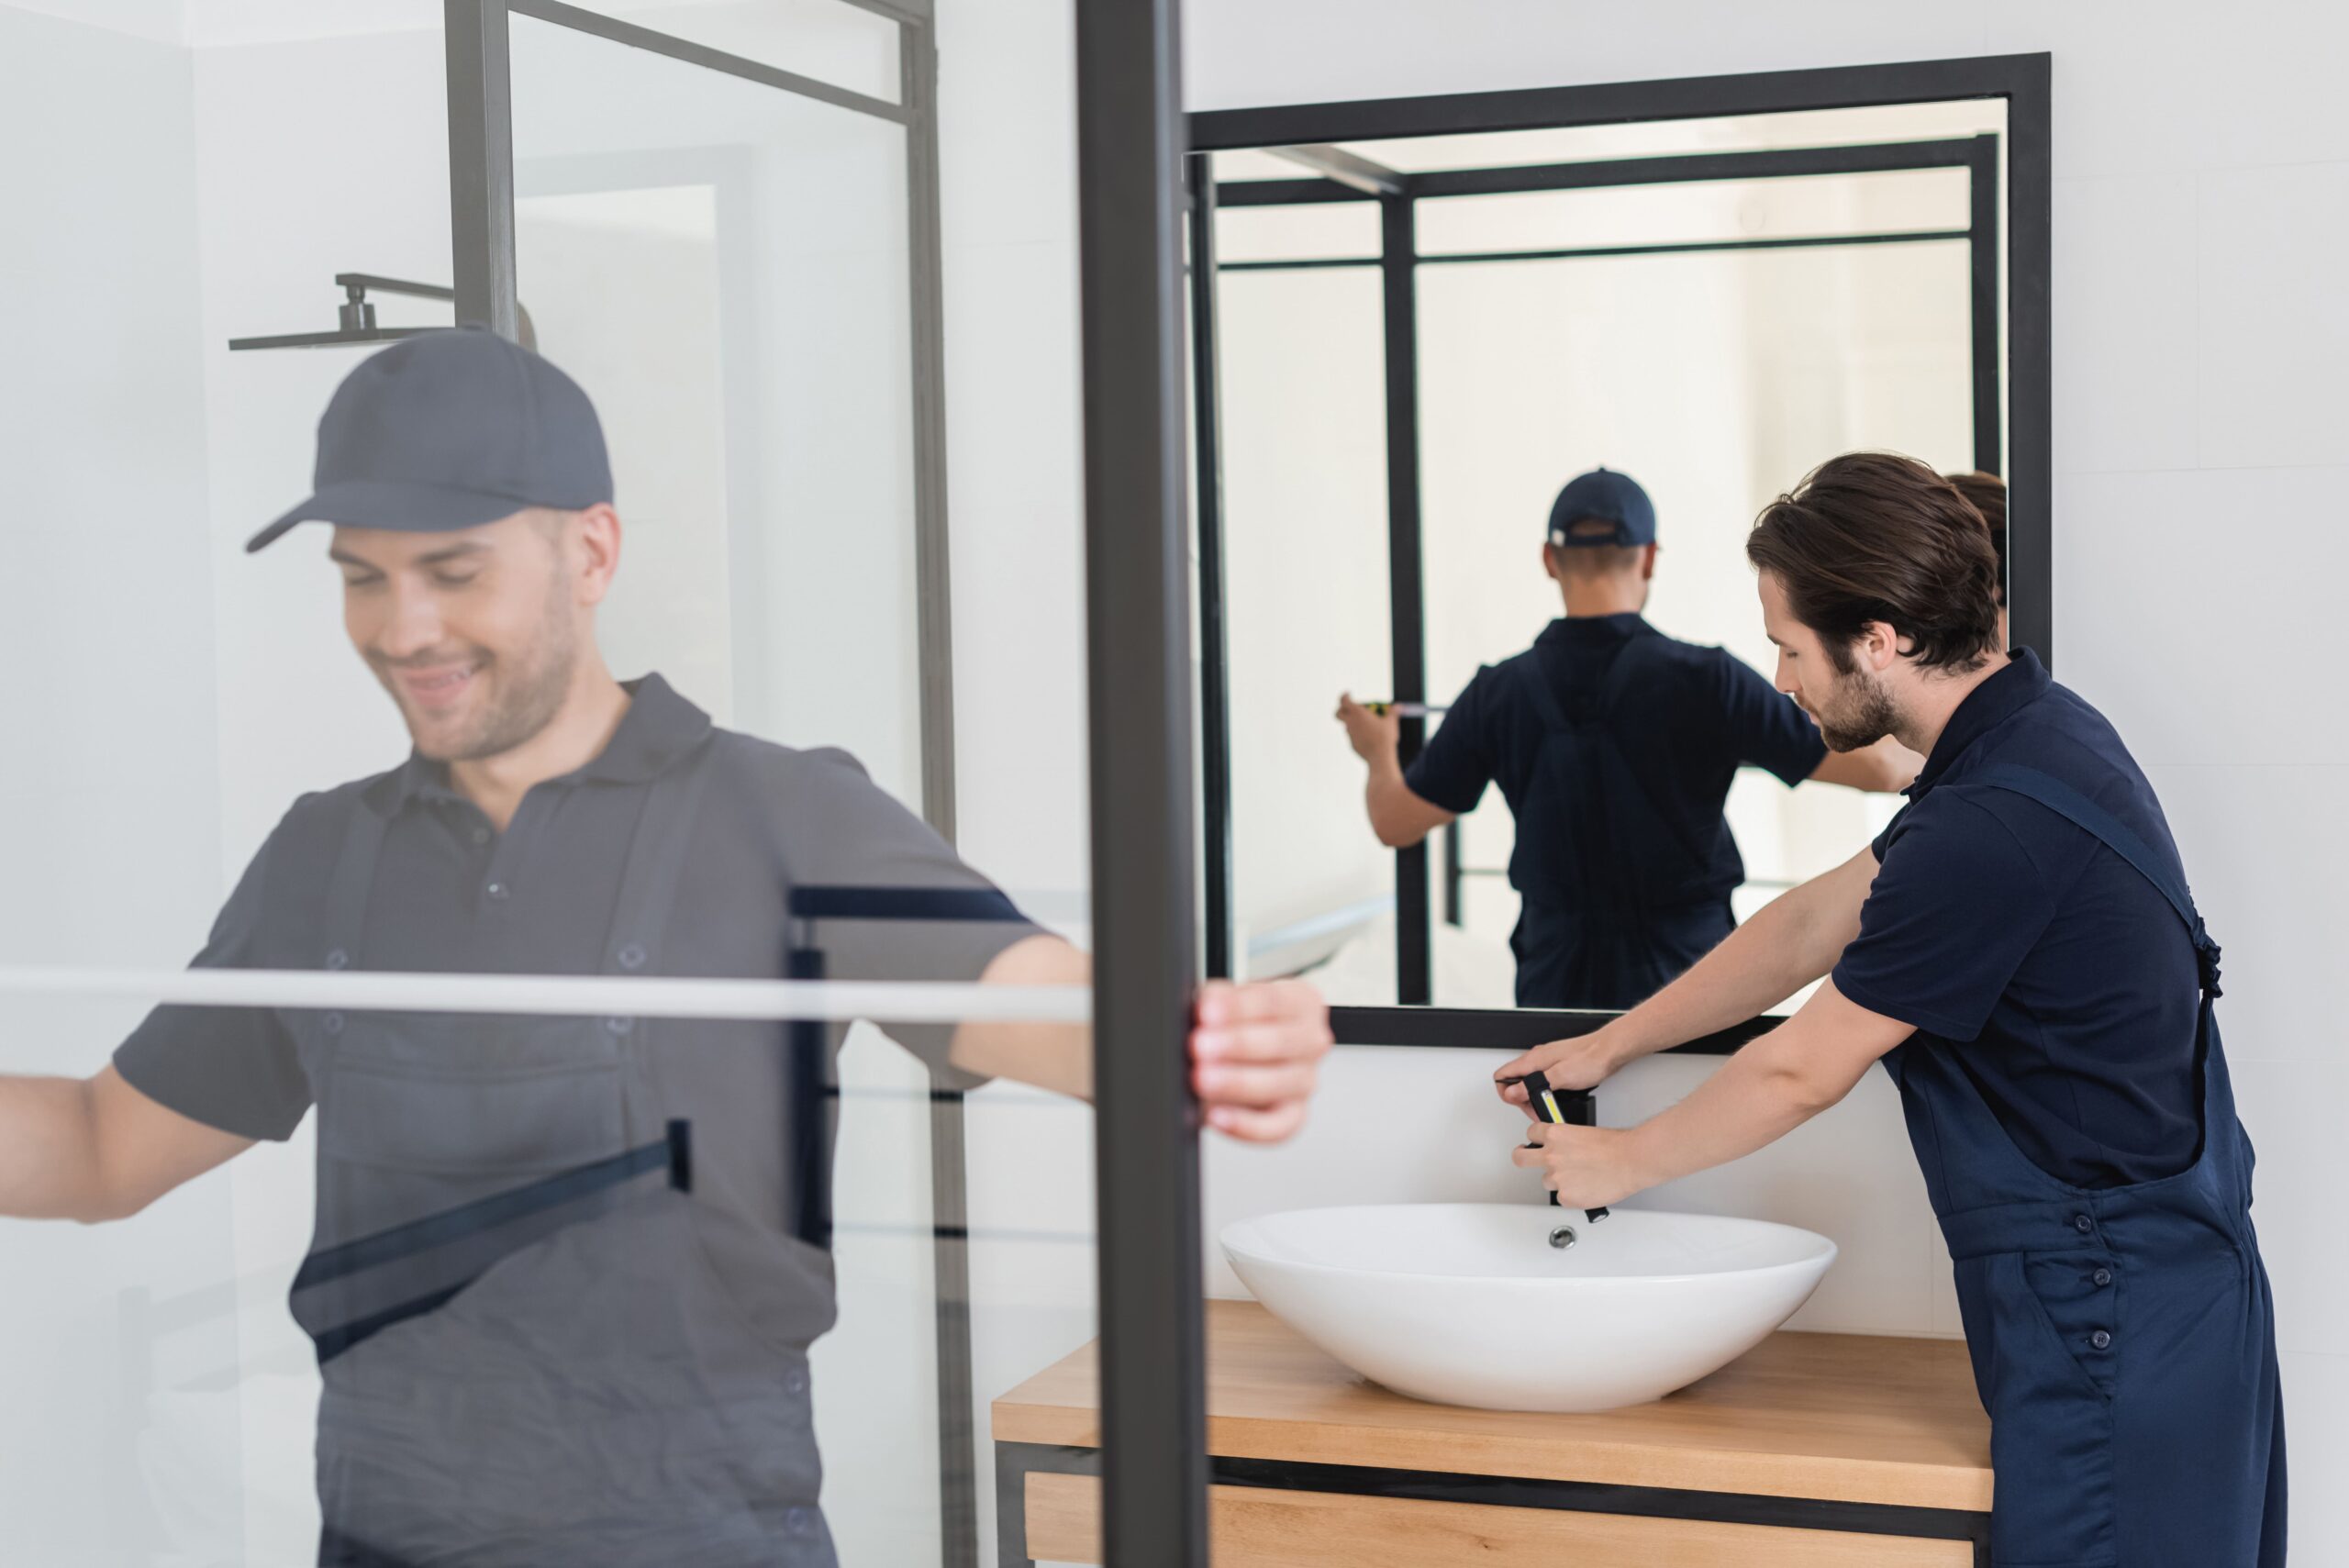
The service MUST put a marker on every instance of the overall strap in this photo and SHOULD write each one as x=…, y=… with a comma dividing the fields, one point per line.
x=2101, y=825
x=656, y=864
x=1618, y=675
x=670, y=1153
x=1545, y=701
x=354, y=876
x=1610, y=693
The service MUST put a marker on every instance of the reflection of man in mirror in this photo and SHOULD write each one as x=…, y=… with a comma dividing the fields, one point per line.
x=2020, y=949
x=1986, y=493
x=565, y=1271
x=1615, y=747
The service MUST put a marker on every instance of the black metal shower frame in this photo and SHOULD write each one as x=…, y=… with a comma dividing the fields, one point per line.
x=2017, y=445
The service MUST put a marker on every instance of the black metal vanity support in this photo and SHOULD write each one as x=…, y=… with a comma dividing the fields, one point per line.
x=1014, y=1463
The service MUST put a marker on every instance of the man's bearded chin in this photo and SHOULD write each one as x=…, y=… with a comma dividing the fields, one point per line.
x=1862, y=715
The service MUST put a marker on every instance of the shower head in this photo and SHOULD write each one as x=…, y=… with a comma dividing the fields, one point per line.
x=355, y=320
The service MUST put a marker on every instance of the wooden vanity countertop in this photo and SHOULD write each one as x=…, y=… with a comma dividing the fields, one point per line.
x=1849, y=1418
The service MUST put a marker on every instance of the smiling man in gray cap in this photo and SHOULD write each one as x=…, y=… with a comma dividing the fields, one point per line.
x=565, y=1271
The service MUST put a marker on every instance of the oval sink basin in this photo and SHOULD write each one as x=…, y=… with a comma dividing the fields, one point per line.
x=1473, y=1304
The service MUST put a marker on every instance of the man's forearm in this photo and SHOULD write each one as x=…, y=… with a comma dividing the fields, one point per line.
x=1756, y=1098
x=1058, y=1057
x=48, y=1147
x=1766, y=1090
x=1794, y=940
x=1385, y=797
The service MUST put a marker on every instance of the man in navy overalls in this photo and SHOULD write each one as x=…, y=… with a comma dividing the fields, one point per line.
x=2020, y=951
x=1615, y=747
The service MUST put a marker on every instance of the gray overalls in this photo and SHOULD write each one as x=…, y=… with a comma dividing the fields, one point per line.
x=539, y=1349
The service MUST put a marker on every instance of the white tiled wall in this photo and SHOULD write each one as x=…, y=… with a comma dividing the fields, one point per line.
x=2201, y=379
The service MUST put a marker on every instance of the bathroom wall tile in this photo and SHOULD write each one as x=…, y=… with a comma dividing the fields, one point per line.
x=2124, y=335
x=2293, y=1113
x=2174, y=617
x=2274, y=316
x=2172, y=84
x=2266, y=80
x=2266, y=850
x=2121, y=98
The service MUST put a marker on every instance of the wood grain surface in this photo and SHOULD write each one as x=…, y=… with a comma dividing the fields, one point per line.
x=1847, y=1418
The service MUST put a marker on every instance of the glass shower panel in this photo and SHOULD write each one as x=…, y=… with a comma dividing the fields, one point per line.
x=726, y=268
x=723, y=266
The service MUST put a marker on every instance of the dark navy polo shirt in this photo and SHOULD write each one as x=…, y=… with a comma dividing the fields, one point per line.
x=1689, y=719
x=452, y=894
x=2062, y=981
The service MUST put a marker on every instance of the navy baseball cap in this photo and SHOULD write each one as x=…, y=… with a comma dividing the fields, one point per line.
x=1607, y=496
x=450, y=430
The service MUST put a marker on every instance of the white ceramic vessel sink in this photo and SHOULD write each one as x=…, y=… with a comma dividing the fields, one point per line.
x=1472, y=1303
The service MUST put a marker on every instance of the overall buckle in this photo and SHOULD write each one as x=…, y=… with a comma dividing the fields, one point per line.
x=2206, y=954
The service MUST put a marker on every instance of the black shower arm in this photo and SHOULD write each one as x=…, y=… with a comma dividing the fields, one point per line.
x=357, y=285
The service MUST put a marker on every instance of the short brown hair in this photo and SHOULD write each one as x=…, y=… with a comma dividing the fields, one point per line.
x=1877, y=537
x=1988, y=494
x=1584, y=561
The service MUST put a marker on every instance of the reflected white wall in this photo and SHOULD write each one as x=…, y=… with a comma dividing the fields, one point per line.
x=1302, y=369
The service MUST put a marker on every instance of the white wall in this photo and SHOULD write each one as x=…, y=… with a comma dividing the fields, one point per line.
x=107, y=777
x=2201, y=203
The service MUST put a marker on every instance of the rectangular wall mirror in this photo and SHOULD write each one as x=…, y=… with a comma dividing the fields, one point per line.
x=1414, y=323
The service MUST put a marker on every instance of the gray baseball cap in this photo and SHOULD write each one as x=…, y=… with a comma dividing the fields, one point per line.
x=450, y=430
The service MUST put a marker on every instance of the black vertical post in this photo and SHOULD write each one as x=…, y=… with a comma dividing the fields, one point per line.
x=1406, y=603
x=949, y=1203
x=1207, y=504
x=814, y=1111
x=2030, y=478
x=1452, y=874
x=1153, y=1417
x=917, y=90
x=481, y=163
x=1982, y=250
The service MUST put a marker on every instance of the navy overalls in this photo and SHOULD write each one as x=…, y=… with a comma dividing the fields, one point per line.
x=1615, y=902
x=2122, y=1338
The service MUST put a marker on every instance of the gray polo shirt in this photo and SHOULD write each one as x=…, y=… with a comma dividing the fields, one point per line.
x=452, y=894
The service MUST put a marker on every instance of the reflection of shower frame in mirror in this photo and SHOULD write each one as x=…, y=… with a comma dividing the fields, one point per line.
x=2018, y=445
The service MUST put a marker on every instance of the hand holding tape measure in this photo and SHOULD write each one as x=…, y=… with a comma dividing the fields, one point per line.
x=1543, y=1103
